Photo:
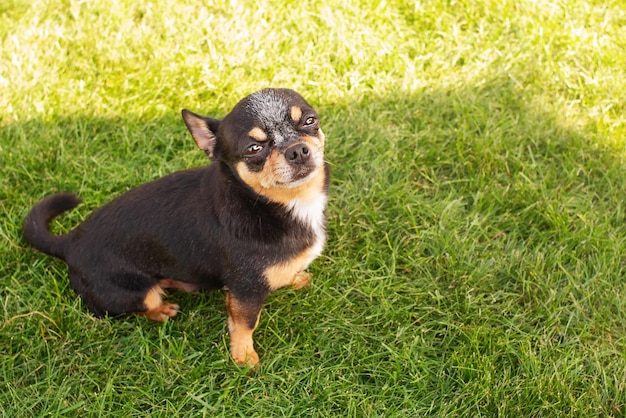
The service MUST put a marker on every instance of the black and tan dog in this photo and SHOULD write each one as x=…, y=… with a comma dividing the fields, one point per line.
x=250, y=223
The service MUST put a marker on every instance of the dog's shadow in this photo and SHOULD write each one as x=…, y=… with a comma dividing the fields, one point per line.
x=408, y=170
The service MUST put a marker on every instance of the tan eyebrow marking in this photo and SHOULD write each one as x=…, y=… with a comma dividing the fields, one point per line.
x=296, y=113
x=258, y=134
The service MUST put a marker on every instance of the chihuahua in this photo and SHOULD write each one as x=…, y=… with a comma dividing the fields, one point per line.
x=249, y=223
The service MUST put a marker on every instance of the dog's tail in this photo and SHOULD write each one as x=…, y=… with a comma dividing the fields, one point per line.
x=38, y=219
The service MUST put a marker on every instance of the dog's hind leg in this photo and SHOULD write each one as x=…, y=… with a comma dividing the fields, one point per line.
x=156, y=309
x=122, y=294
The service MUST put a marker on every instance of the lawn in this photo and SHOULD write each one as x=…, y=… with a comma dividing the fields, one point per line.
x=476, y=254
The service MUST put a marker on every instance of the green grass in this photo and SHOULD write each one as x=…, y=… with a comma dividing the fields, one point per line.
x=476, y=257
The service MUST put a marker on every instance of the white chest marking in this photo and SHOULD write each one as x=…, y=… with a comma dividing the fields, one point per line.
x=311, y=213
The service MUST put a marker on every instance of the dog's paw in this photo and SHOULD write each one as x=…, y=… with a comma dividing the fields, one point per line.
x=301, y=279
x=245, y=358
x=163, y=312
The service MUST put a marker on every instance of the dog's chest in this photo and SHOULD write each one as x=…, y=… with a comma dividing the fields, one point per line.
x=311, y=213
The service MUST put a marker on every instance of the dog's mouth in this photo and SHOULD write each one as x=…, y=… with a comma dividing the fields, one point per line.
x=297, y=177
x=289, y=176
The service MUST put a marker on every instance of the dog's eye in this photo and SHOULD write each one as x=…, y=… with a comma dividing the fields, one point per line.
x=253, y=150
x=310, y=121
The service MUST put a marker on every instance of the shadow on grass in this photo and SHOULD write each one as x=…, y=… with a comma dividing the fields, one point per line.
x=415, y=178
x=464, y=217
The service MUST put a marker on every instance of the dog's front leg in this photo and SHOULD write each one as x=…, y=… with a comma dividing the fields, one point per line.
x=243, y=317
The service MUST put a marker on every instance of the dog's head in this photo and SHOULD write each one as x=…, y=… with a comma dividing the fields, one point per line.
x=271, y=139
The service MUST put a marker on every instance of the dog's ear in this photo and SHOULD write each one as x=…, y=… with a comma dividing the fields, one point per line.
x=203, y=130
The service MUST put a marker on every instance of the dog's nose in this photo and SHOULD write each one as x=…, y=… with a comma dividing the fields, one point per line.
x=297, y=154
